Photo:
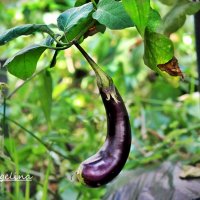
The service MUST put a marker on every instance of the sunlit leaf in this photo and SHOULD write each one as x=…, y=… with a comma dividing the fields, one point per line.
x=74, y=20
x=154, y=21
x=139, y=12
x=158, y=49
x=112, y=14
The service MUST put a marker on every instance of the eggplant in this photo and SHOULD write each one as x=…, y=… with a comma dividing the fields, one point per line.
x=107, y=163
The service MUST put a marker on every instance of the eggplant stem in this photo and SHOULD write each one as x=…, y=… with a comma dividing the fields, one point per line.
x=104, y=81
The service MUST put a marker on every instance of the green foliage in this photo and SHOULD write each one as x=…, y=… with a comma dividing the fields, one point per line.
x=167, y=2
x=58, y=113
x=139, y=16
x=77, y=22
x=72, y=21
x=81, y=2
x=177, y=16
x=112, y=14
x=27, y=29
x=158, y=49
x=154, y=22
x=23, y=63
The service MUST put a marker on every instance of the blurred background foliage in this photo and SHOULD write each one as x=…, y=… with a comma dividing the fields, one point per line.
x=165, y=120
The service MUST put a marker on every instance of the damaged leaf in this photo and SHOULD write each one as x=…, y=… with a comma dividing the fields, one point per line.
x=171, y=67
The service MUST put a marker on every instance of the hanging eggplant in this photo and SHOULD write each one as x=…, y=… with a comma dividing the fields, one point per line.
x=107, y=163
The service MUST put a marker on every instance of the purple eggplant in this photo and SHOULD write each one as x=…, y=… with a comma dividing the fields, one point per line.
x=107, y=163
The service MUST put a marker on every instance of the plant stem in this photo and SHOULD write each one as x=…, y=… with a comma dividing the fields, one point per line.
x=103, y=80
x=94, y=3
x=77, y=37
x=92, y=63
x=59, y=48
x=26, y=130
x=16, y=89
x=3, y=128
x=48, y=146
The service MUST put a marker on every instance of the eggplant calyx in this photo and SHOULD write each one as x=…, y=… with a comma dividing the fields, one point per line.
x=78, y=174
x=110, y=92
x=105, y=84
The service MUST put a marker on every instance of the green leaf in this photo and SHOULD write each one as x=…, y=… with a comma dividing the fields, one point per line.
x=154, y=21
x=112, y=14
x=81, y=2
x=75, y=19
x=27, y=29
x=139, y=12
x=45, y=91
x=167, y=2
x=158, y=49
x=23, y=63
x=176, y=17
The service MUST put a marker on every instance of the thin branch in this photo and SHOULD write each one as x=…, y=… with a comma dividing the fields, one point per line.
x=3, y=128
x=48, y=146
x=16, y=89
x=82, y=32
x=59, y=48
x=155, y=134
